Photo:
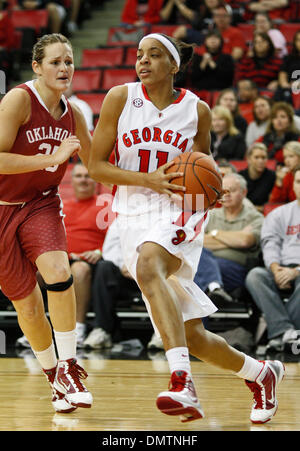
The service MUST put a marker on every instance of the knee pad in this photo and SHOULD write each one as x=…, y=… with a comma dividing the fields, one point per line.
x=59, y=286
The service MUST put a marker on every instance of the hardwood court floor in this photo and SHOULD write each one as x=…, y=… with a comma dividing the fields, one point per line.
x=124, y=399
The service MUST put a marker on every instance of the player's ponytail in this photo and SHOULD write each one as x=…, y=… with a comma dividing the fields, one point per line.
x=185, y=51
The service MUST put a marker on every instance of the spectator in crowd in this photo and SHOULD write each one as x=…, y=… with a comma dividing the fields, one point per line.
x=263, y=67
x=72, y=24
x=247, y=93
x=234, y=41
x=84, y=107
x=263, y=24
x=214, y=70
x=283, y=189
x=229, y=99
x=281, y=129
x=6, y=44
x=111, y=282
x=289, y=71
x=138, y=13
x=202, y=20
x=277, y=9
x=260, y=179
x=261, y=114
x=179, y=11
x=279, y=280
x=226, y=141
x=56, y=10
x=85, y=240
x=230, y=242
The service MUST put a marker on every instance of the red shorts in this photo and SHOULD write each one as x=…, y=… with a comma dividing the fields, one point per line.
x=25, y=233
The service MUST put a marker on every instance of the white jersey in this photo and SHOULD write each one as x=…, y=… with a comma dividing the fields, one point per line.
x=149, y=138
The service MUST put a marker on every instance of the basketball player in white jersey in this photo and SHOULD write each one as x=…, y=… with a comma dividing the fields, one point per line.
x=151, y=123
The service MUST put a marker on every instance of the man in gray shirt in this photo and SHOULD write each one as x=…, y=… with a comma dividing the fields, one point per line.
x=276, y=288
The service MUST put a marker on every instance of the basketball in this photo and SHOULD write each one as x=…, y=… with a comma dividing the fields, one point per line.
x=201, y=177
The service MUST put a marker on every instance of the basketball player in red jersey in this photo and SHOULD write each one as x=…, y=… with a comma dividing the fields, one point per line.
x=153, y=123
x=39, y=131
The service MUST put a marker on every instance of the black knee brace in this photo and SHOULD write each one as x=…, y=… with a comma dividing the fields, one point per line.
x=59, y=286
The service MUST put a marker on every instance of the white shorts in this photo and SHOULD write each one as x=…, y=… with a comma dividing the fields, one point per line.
x=181, y=237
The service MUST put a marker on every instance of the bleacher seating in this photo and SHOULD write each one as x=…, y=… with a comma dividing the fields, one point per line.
x=113, y=77
x=36, y=19
x=105, y=57
x=87, y=80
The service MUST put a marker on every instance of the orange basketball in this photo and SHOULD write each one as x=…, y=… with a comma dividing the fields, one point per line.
x=201, y=177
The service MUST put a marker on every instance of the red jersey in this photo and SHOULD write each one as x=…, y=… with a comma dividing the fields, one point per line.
x=42, y=134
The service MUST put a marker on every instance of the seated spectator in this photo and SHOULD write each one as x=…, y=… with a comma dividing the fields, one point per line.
x=85, y=240
x=226, y=141
x=281, y=129
x=247, y=93
x=111, y=282
x=263, y=67
x=178, y=11
x=228, y=98
x=202, y=20
x=134, y=12
x=57, y=12
x=283, y=190
x=234, y=41
x=230, y=242
x=263, y=24
x=72, y=24
x=277, y=9
x=84, y=107
x=280, y=278
x=260, y=179
x=261, y=115
x=213, y=70
x=289, y=72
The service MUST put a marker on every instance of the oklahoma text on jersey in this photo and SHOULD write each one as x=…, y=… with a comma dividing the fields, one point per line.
x=154, y=134
x=47, y=132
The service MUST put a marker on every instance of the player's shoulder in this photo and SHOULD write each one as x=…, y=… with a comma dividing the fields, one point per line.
x=16, y=97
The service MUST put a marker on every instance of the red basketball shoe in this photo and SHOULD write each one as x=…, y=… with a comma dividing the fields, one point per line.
x=67, y=381
x=59, y=401
x=181, y=399
x=264, y=391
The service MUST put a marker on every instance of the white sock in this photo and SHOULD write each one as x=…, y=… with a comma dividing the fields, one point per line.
x=251, y=369
x=66, y=344
x=179, y=360
x=47, y=358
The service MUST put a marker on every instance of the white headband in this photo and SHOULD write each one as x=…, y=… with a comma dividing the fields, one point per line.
x=168, y=44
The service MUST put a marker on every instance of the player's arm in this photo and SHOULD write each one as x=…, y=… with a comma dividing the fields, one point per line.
x=15, y=111
x=202, y=138
x=83, y=134
x=103, y=143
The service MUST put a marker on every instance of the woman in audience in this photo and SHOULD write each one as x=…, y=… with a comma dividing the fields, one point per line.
x=283, y=189
x=214, y=70
x=263, y=66
x=261, y=113
x=281, y=129
x=263, y=24
x=226, y=141
x=228, y=98
x=260, y=179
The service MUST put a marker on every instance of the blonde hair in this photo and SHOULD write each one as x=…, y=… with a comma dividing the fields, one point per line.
x=223, y=113
x=38, y=52
x=293, y=146
x=260, y=146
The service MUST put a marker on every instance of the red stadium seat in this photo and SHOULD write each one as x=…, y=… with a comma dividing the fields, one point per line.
x=247, y=30
x=214, y=97
x=165, y=29
x=203, y=95
x=296, y=100
x=113, y=77
x=36, y=19
x=86, y=80
x=106, y=57
x=288, y=30
x=130, y=56
x=269, y=207
x=94, y=100
x=239, y=164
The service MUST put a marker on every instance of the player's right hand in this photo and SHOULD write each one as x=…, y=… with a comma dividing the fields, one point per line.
x=68, y=147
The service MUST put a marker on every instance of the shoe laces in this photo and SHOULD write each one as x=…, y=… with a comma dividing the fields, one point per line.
x=178, y=381
x=77, y=373
x=256, y=390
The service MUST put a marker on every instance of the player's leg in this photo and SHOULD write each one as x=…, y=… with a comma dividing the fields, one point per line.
x=154, y=266
x=56, y=272
x=261, y=377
